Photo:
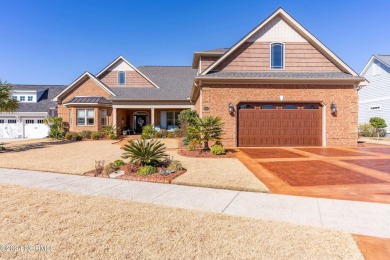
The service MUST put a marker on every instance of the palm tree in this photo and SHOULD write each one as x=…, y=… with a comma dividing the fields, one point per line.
x=144, y=152
x=208, y=128
x=7, y=104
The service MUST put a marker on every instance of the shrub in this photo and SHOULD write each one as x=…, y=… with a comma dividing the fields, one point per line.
x=157, y=135
x=175, y=166
x=146, y=170
x=108, y=169
x=148, y=131
x=2, y=148
x=86, y=134
x=144, y=152
x=366, y=130
x=118, y=163
x=171, y=135
x=79, y=137
x=95, y=136
x=185, y=142
x=217, y=149
x=109, y=130
x=178, y=132
x=379, y=124
x=187, y=117
x=56, y=127
x=206, y=129
x=145, y=136
x=113, y=136
x=68, y=136
x=191, y=147
x=164, y=133
x=74, y=136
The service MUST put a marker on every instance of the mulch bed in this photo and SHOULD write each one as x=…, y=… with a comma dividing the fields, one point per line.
x=6, y=150
x=155, y=177
x=199, y=153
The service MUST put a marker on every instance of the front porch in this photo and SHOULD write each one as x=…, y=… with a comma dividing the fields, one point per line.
x=133, y=119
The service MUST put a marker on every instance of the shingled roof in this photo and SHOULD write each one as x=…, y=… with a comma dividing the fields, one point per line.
x=174, y=82
x=88, y=100
x=383, y=58
x=45, y=102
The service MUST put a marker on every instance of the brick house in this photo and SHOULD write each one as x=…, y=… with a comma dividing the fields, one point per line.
x=277, y=86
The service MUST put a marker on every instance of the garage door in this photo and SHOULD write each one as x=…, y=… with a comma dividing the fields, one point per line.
x=265, y=124
x=35, y=128
x=10, y=128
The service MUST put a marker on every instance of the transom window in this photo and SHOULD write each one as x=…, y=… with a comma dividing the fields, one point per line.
x=40, y=121
x=103, y=116
x=1, y=121
x=121, y=78
x=246, y=106
x=30, y=98
x=22, y=98
x=277, y=55
x=30, y=121
x=85, y=117
x=11, y=121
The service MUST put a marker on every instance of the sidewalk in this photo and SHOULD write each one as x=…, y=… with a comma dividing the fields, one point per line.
x=362, y=218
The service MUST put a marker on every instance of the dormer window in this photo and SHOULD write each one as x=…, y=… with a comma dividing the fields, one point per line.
x=121, y=78
x=277, y=55
x=30, y=98
x=22, y=98
x=15, y=97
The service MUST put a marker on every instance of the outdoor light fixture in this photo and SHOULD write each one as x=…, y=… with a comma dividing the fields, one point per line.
x=231, y=108
x=333, y=108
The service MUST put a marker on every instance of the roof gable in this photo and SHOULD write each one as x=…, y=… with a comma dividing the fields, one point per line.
x=121, y=64
x=384, y=59
x=268, y=30
x=75, y=83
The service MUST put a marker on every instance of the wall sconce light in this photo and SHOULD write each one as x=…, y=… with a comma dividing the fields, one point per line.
x=333, y=108
x=231, y=108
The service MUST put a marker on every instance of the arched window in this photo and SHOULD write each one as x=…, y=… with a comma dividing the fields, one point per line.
x=277, y=55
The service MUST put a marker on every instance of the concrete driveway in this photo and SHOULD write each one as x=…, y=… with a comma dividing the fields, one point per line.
x=360, y=174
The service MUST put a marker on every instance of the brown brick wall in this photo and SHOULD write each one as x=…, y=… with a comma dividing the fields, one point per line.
x=133, y=78
x=86, y=88
x=340, y=130
x=255, y=56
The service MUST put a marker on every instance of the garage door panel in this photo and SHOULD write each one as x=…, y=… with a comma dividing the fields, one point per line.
x=280, y=127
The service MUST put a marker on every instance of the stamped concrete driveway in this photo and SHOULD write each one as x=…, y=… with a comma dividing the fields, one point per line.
x=361, y=174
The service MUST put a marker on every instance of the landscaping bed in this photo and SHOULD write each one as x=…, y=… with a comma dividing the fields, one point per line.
x=199, y=153
x=131, y=175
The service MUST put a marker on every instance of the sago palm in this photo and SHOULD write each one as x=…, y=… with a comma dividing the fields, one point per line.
x=208, y=128
x=144, y=152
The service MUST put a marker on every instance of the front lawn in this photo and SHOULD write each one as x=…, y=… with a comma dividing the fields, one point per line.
x=97, y=227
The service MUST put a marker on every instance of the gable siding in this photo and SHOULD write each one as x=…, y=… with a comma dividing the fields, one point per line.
x=255, y=56
x=377, y=93
x=133, y=79
x=206, y=62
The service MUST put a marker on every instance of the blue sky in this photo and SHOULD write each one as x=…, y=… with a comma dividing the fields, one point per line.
x=53, y=42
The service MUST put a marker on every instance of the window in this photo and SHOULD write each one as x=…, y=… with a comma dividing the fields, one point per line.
x=85, y=117
x=246, y=106
x=22, y=98
x=1, y=121
x=277, y=56
x=289, y=107
x=267, y=107
x=30, y=98
x=172, y=118
x=103, y=116
x=311, y=107
x=14, y=97
x=377, y=107
x=40, y=121
x=11, y=121
x=121, y=78
x=29, y=121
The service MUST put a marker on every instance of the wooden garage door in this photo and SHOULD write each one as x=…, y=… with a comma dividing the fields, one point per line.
x=264, y=124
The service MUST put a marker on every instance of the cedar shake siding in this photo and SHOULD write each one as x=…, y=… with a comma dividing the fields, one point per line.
x=255, y=56
x=133, y=79
x=206, y=62
x=341, y=130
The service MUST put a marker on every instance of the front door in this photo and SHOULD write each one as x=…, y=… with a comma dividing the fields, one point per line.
x=140, y=121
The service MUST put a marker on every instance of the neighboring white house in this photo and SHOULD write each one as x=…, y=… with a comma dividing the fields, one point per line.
x=374, y=99
x=35, y=104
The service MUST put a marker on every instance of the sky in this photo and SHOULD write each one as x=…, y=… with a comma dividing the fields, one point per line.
x=54, y=42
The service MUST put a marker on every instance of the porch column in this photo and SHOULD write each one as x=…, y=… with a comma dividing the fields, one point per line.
x=152, y=116
x=114, y=122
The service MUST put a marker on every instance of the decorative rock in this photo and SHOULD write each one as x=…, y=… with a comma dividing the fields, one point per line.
x=116, y=174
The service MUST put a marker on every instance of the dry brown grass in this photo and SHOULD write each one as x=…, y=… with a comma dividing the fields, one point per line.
x=78, y=226
x=59, y=156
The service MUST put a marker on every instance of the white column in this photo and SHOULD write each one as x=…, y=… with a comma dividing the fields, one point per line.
x=114, y=122
x=152, y=116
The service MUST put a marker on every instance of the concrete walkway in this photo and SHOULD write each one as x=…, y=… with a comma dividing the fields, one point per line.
x=361, y=218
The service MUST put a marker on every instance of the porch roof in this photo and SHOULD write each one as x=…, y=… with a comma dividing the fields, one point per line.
x=88, y=100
